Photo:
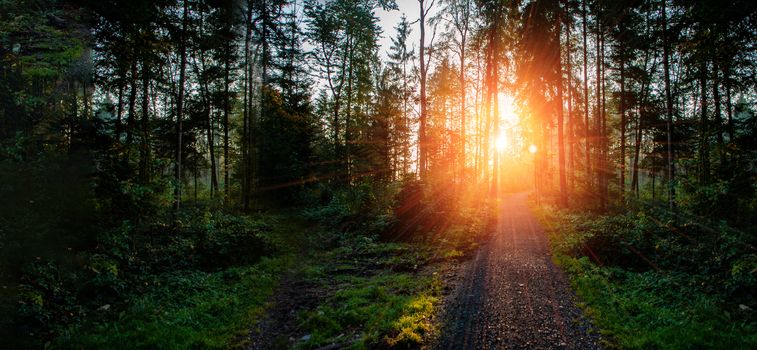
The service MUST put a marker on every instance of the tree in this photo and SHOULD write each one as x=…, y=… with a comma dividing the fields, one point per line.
x=423, y=58
x=179, y=104
x=401, y=56
x=459, y=12
x=668, y=108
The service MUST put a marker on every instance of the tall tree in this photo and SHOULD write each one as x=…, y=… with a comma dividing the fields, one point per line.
x=401, y=57
x=668, y=107
x=423, y=58
x=180, y=103
x=460, y=12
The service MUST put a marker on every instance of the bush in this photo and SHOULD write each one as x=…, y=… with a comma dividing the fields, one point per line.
x=365, y=209
x=660, y=285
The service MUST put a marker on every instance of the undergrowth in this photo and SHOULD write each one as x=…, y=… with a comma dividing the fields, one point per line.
x=649, y=284
x=185, y=309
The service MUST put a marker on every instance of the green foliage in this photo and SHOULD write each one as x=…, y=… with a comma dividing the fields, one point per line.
x=363, y=209
x=654, y=285
x=183, y=309
x=137, y=269
x=659, y=310
x=374, y=305
x=286, y=146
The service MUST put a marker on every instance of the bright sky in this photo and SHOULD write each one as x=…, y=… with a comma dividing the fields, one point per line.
x=389, y=19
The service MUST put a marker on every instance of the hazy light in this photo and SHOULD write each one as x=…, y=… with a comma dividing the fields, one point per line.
x=501, y=142
x=507, y=109
x=532, y=148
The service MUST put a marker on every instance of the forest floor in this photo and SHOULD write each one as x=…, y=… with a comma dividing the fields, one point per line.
x=511, y=295
x=505, y=294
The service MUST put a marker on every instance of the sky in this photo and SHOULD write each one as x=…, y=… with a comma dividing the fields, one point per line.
x=389, y=19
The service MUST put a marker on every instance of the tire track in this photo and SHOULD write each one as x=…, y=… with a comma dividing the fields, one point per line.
x=513, y=296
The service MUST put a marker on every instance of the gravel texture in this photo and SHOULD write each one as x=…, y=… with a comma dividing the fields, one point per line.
x=512, y=296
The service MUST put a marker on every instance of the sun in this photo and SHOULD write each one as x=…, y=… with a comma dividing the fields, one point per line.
x=501, y=142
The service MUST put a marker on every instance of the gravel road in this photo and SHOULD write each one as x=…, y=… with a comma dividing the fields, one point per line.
x=512, y=296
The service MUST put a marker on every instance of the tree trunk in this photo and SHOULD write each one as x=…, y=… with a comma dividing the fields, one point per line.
x=598, y=116
x=144, y=156
x=226, y=109
x=462, y=101
x=119, y=111
x=246, y=112
x=622, y=182
x=587, y=133
x=211, y=148
x=180, y=107
x=132, y=119
x=729, y=105
x=348, y=116
x=668, y=109
x=494, y=99
x=571, y=138
x=490, y=85
x=718, y=116
x=704, y=145
x=422, y=146
x=559, y=106
x=636, y=154
x=604, y=139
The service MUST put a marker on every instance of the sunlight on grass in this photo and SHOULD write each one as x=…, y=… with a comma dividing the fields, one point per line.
x=392, y=308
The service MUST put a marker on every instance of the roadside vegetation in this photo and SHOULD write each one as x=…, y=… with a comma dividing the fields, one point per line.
x=208, y=279
x=653, y=281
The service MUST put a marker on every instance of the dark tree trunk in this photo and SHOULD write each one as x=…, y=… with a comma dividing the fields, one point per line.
x=132, y=119
x=704, y=145
x=144, y=155
x=729, y=105
x=718, y=117
x=226, y=109
x=571, y=138
x=246, y=111
x=119, y=111
x=668, y=109
x=587, y=127
x=604, y=139
x=636, y=153
x=180, y=107
x=422, y=146
x=622, y=181
x=559, y=106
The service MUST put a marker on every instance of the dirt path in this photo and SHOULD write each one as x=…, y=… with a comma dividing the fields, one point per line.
x=512, y=296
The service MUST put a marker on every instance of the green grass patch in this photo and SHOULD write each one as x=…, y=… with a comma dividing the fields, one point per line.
x=648, y=309
x=185, y=309
x=393, y=309
x=380, y=297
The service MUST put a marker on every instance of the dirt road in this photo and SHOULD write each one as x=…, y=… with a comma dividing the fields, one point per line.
x=512, y=296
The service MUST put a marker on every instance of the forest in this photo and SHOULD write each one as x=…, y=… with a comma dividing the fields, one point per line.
x=377, y=174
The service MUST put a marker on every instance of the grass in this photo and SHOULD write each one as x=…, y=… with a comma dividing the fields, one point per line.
x=366, y=293
x=647, y=309
x=187, y=309
x=394, y=309
x=372, y=304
